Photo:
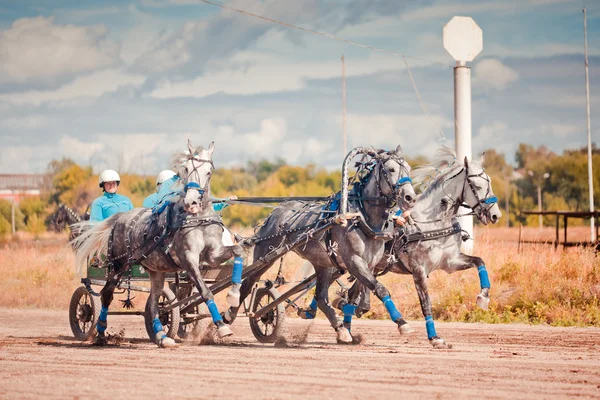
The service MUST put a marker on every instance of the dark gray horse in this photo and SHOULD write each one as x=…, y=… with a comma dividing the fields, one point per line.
x=189, y=233
x=62, y=219
x=433, y=242
x=355, y=247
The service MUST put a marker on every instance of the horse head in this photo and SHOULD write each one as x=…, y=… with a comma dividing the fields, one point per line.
x=396, y=184
x=478, y=193
x=195, y=170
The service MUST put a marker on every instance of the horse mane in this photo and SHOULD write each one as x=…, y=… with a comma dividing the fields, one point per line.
x=430, y=176
x=425, y=175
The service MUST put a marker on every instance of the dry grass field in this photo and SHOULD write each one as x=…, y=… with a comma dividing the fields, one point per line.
x=540, y=284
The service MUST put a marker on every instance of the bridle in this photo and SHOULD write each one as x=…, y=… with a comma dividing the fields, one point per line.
x=394, y=187
x=195, y=185
x=485, y=204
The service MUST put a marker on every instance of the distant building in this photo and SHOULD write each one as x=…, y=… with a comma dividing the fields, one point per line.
x=17, y=186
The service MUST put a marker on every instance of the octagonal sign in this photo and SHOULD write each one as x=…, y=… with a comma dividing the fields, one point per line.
x=463, y=38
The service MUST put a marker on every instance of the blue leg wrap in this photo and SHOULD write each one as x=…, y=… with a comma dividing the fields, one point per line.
x=312, y=307
x=484, y=280
x=102, y=318
x=430, y=327
x=391, y=308
x=238, y=265
x=214, y=311
x=157, y=326
x=348, y=310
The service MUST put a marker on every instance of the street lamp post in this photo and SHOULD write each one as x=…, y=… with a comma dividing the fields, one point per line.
x=539, y=193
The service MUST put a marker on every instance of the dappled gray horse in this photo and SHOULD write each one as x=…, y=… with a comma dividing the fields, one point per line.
x=185, y=234
x=356, y=247
x=433, y=242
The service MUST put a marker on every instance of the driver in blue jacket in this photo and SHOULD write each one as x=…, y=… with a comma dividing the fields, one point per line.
x=110, y=202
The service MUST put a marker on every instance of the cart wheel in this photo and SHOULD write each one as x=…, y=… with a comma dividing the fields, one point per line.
x=84, y=311
x=269, y=327
x=169, y=319
x=190, y=324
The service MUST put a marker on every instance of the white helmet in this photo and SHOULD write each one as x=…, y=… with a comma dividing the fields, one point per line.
x=109, y=175
x=164, y=175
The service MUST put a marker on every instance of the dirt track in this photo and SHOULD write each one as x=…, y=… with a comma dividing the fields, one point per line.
x=38, y=358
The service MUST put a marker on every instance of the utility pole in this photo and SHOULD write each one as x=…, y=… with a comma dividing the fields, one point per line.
x=344, y=103
x=463, y=39
x=589, y=130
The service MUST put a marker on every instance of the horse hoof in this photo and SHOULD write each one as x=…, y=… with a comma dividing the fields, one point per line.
x=405, y=329
x=167, y=342
x=224, y=331
x=344, y=336
x=483, y=302
x=439, y=343
x=101, y=340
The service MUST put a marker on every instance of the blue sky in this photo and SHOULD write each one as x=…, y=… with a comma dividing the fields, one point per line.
x=123, y=84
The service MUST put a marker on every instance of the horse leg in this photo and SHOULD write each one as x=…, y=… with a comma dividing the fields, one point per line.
x=106, y=297
x=324, y=279
x=420, y=278
x=360, y=269
x=351, y=305
x=191, y=265
x=248, y=283
x=233, y=296
x=157, y=281
x=463, y=262
x=310, y=312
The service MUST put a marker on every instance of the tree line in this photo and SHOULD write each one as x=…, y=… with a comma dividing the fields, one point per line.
x=562, y=178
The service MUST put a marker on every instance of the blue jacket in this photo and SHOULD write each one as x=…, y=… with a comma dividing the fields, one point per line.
x=165, y=190
x=150, y=201
x=109, y=204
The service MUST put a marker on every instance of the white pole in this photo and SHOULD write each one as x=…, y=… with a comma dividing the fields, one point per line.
x=344, y=102
x=589, y=132
x=462, y=132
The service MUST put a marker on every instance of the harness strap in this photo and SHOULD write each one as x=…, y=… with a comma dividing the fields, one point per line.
x=331, y=251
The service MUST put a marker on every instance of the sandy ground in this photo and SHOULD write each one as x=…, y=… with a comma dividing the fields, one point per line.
x=39, y=359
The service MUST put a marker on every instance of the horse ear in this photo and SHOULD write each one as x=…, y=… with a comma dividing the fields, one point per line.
x=482, y=159
x=466, y=161
x=190, y=147
x=399, y=150
x=211, y=148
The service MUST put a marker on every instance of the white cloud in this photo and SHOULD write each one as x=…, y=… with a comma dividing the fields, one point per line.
x=492, y=136
x=260, y=73
x=83, y=14
x=88, y=86
x=416, y=133
x=26, y=122
x=561, y=129
x=492, y=74
x=439, y=11
x=69, y=146
x=36, y=49
x=17, y=159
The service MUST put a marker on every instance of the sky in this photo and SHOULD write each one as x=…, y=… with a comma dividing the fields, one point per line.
x=124, y=84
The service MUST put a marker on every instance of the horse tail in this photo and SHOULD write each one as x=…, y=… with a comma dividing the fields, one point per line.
x=92, y=241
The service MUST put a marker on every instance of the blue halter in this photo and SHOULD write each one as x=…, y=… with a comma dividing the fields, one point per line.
x=403, y=181
x=194, y=185
x=490, y=200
